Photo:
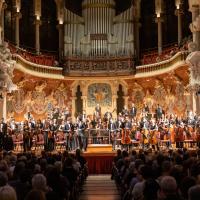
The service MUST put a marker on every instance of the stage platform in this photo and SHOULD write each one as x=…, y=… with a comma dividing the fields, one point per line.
x=99, y=148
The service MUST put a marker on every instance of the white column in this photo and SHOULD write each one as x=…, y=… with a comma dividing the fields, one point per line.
x=84, y=98
x=114, y=102
x=126, y=100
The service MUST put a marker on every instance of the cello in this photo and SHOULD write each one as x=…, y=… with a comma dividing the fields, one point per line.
x=126, y=139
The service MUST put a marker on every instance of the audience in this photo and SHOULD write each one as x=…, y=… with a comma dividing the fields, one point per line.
x=42, y=177
x=147, y=175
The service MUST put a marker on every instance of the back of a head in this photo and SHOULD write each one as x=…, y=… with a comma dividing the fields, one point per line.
x=39, y=182
x=3, y=179
x=35, y=194
x=194, y=192
x=7, y=193
x=168, y=185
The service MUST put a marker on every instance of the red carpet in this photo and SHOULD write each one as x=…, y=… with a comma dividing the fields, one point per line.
x=99, y=163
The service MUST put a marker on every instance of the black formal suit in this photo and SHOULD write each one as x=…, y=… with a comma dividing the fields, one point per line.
x=68, y=127
x=159, y=112
x=3, y=132
x=133, y=112
x=113, y=134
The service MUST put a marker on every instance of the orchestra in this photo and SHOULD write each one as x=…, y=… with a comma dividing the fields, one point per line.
x=148, y=129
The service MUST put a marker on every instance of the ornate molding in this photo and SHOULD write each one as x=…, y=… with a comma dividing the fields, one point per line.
x=7, y=66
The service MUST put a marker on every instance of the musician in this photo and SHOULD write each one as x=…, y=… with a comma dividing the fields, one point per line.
x=180, y=136
x=56, y=113
x=126, y=128
x=38, y=126
x=28, y=115
x=159, y=112
x=97, y=112
x=146, y=108
x=45, y=131
x=66, y=127
x=53, y=127
x=84, y=116
x=66, y=113
x=133, y=111
x=108, y=115
x=81, y=135
x=99, y=127
x=113, y=132
x=26, y=137
x=125, y=111
x=198, y=135
x=3, y=132
x=154, y=135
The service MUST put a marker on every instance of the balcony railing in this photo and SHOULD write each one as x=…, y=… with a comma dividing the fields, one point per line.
x=101, y=66
x=112, y=67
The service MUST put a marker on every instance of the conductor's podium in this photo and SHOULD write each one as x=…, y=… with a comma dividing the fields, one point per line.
x=99, y=148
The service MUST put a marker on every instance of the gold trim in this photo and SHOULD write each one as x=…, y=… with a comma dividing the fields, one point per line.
x=98, y=5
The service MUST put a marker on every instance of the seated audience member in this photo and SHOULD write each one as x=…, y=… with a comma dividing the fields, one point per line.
x=7, y=193
x=35, y=195
x=194, y=193
x=3, y=179
x=168, y=189
x=185, y=185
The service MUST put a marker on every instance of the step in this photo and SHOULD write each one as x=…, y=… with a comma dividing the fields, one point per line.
x=99, y=148
x=100, y=197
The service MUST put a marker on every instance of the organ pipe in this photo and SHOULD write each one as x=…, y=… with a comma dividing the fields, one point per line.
x=99, y=31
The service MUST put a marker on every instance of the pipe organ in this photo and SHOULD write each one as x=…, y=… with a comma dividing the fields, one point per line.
x=99, y=31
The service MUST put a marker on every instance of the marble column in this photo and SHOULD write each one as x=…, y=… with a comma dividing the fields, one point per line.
x=60, y=28
x=17, y=18
x=179, y=14
x=37, y=35
x=159, y=21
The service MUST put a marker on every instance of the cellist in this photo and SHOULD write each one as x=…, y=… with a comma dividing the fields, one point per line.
x=126, y=128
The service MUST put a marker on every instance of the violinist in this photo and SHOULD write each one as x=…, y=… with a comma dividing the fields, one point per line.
x=113, y=132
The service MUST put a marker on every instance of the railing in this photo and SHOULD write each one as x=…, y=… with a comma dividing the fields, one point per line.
x=100, y=66
x=36, y=67
x=111, y=67
x=178, y=57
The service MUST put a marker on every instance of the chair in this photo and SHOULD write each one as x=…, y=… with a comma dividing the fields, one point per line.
x=40, y=141
x=18, y=141
x=60, y=140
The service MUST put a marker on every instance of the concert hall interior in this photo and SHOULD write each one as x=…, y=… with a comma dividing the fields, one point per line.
x=95, y=82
